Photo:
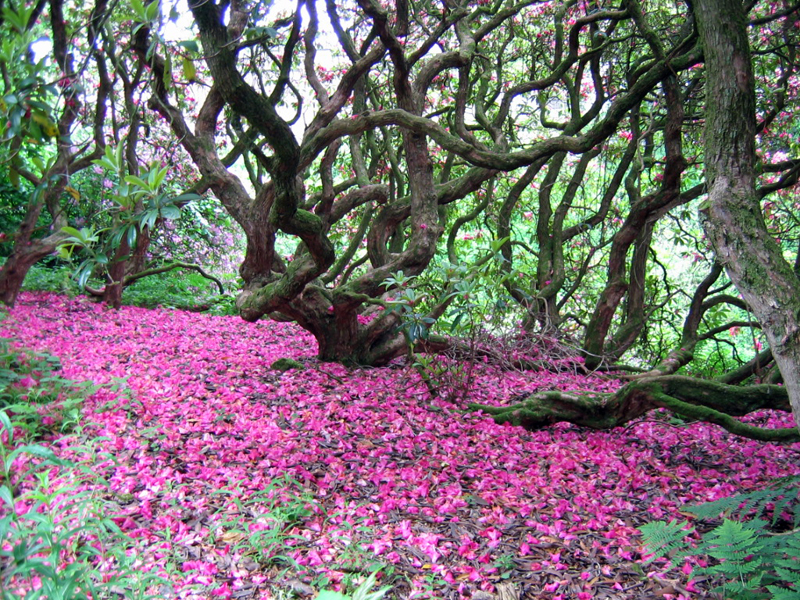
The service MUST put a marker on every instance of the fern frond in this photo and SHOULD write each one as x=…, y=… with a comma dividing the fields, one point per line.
x=666, y=540
x=783, y=496
x=783, y=593
x=752, y=562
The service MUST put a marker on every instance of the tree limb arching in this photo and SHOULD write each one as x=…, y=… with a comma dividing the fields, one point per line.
x=130, y=279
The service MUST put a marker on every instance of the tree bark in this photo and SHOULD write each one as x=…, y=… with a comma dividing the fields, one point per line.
x=16, y=267
x=733, y=220
x=687, y=397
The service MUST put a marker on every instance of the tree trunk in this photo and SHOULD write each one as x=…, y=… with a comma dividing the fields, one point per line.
x=127, y=262
x=27, y=252
x=17, y=266
x=732, y=215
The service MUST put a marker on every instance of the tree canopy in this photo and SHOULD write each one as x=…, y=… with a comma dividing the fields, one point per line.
x=415, y=177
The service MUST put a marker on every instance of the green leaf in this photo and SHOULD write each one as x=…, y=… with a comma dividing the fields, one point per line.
x=84, y=271
x=498, y=244
x=329, y=595
x=6, y=422
x=138, y=9
x=148, y=218
x=131, y=236
x=170, y=212
x=13, y=177
x=363, y=591
x=117, y=157
x=663, y=538
x=34, y=450
x=137, y=181
x=189, y=70
x=188, y=197
x=152, y=10
x=190, y=45
x=6, y=496
x=28, y=82
x=71, y=231
x=158, y=176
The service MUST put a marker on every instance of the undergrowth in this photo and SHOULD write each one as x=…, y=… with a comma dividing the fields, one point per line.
x=57, y=540
x=35, y=395
x=753, y=554
x=173, y=289
x=58, y=535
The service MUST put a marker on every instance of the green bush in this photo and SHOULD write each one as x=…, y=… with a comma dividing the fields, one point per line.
x=56, y=279
x=185, y=290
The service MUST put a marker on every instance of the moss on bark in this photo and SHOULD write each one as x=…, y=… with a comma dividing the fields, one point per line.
x=703, y=400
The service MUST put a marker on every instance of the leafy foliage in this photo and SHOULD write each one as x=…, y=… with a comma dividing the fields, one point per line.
x=181, y=290
x=57, y=278
x=57, y=538
x=748, y=558
x=33, y=395
x=780, y=500
x=137, y=205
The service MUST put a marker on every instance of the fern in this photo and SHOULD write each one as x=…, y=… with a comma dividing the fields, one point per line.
x=781, y=498
x=666, y=540
x=746, y=559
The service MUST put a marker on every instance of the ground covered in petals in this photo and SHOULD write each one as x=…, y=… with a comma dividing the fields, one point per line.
x=241, y=481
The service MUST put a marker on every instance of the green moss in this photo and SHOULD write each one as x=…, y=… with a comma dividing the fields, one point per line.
x=284, y=364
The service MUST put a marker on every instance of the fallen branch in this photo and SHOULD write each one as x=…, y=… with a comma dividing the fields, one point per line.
x=703, y=400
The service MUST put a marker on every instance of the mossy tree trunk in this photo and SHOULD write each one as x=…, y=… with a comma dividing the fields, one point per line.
x=733, y=219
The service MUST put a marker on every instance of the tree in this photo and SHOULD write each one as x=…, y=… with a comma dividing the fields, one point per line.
x=358, y=147
x=734, y=220
x=581, y=52
x=410, y=156
x=39, y=112
x=94, y=78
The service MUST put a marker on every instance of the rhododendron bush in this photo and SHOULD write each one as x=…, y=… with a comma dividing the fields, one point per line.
x=241, y=481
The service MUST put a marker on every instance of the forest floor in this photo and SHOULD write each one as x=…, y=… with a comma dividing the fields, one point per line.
x=226, y=470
